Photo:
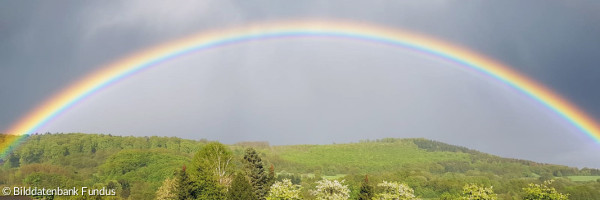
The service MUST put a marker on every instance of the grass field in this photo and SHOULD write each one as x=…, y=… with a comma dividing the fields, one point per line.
x=584, y=178
x=361, y=157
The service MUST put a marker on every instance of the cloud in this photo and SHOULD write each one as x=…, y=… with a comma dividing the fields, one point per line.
x=158, y=17
x=310, y=90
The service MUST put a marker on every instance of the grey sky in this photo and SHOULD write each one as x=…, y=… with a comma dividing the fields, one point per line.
x=311, y=90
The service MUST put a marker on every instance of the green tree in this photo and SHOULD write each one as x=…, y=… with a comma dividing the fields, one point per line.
x=366, y=190
x=240, y=188
x=545, y=176
x=259, y=178
x=395, y=191
x=449, y=196
x=331, y=190
x=272, y=175
x=13, y=161
x=543, y=191
x=284, y=190
x=210, y=171
x=216, y=159
x=185, y=189
x=476, y=192
x=168, y=190
x=198, y=185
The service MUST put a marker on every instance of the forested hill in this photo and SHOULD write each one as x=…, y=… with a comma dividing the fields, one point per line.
x=137, y=166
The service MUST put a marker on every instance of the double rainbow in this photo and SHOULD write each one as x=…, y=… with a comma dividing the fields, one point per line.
x=128, y=66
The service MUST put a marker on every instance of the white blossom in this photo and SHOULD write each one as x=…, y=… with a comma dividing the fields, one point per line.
x=284, y=190
x=395, y=191
x=331, y=190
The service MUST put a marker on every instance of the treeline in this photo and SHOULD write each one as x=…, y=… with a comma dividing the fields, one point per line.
x=213, y=175
x=138, y=167
x=41, y=148
x=479, y=157
x=134, y=165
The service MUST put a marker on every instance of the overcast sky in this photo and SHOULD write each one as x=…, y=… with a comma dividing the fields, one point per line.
x=311, y=90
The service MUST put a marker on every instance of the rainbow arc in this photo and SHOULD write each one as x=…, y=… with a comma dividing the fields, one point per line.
x=132, y=64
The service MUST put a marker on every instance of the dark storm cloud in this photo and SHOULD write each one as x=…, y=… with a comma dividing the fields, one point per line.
x=44, y=46
x=36, y=43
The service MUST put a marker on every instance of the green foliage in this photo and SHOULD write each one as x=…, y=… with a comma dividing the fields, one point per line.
x=587, y=191
x=284, y=190
x=210, y=171
x=216, y=159
x=478, y=192
x=240, y=188
x=254, y=168
x=295, y=178
x=202, y=185
x=139, y=166
x=168, y=190
x=431, y=145
x=543, y=191
x=363, y=158
x=366, y=190
x=272, y=176
x=142, y=165
x=12, y=161
x=584, y=178
x=449, y=196
x=186, y=189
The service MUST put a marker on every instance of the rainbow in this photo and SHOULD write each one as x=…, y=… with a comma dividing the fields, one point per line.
x=132, y=64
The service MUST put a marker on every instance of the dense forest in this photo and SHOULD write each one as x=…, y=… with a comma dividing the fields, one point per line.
x=174, y=168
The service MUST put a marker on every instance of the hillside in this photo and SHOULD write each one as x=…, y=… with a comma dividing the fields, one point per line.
x=138, y=165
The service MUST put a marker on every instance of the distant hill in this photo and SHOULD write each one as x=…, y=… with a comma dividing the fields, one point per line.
x=391, y=153
x=138, y=165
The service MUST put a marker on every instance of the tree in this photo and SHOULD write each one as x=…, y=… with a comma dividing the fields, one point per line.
x=284, y=190
x=205, y=186
x=215, y=158
x=240, y=188
x=272, y=175
x=543, y=191
x=395, y=191
x=476, y=192
x=331, y=190
x=210, y=171
x=185, y=188
x=254, y=168
x=168, y=190
x=13, y=161
x=199, y=184
x=366, y=190
x=449, y=196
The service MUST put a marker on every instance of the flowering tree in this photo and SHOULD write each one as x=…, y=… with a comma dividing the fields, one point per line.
x=331, y=190
x=543, y=191
x=284, y=190
x=395, y=191
x=476, y=192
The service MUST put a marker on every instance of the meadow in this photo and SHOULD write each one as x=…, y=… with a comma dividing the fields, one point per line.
x=584, y=178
